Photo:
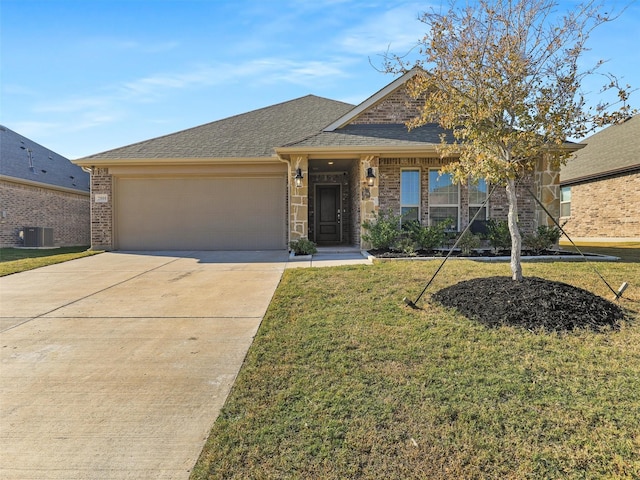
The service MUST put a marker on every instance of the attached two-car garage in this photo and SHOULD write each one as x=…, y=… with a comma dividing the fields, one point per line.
x=200, y=212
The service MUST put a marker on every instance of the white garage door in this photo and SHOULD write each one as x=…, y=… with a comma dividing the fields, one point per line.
x=211, y=213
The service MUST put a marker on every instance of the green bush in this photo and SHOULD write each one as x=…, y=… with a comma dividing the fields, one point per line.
x=405, y=245
x=383, y=231
x=498, y=234
x=303, y=246
x=544, y=238
x=427, y=237
x=468, y=242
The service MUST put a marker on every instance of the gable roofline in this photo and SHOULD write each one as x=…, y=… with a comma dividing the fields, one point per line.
x=372, y=100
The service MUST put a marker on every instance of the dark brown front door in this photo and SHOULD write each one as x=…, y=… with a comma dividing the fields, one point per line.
x=328, y=214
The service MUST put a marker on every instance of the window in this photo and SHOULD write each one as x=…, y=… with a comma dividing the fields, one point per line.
x=410, y=195
x=477, y=196
x=444, y=199
x=565, y=201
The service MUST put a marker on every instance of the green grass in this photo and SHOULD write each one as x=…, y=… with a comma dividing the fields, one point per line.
x=14, y=260
x=628, y=254
x=343, y=381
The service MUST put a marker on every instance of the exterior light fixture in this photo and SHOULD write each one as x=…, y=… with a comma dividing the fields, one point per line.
x=371, y=178
x=299, y=178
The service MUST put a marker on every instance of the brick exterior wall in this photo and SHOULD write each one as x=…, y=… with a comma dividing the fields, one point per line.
x=101, y=213
x=389, y=179
x=605, y=209
x=527, y=206
x=33, y=206
x=397, y=107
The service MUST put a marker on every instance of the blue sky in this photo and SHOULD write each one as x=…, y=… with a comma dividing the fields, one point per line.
x=84, y=76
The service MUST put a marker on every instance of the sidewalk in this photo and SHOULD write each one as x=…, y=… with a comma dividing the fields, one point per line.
x=330, y=257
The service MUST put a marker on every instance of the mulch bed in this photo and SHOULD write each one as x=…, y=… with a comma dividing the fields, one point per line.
x=534, y=304
x=485, y=253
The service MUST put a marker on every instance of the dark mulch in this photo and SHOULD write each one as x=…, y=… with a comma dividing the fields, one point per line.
x=486, y=253
x=534, y=304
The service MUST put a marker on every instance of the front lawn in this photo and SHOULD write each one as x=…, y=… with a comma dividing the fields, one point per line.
x=14, y=260
x=345, y=381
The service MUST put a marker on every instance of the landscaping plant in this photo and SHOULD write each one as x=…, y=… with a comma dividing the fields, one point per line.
x=468, y=241
x=303, y=246
x=498, y=234
x=543, y=239
x=383, y=231
x=427, y=237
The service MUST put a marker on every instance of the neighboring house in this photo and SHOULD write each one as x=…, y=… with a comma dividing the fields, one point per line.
x=600, y=187
x=311, y=167
x=39, y=188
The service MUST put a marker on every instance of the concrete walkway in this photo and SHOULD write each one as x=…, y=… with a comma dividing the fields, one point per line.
x=115, y=366
x=330, y=257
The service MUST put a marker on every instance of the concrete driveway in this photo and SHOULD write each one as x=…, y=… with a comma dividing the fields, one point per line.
x=115, y=366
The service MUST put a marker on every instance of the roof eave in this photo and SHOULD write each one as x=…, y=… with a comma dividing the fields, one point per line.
x=358, y=151
x=107, y=162
x=599, y=175
x=49, y=186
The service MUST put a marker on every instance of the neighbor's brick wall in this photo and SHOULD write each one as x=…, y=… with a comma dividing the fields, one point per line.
x=397, y=107
x=30, y=206
x=101, y=213
x=389, y=179
x=608, y=208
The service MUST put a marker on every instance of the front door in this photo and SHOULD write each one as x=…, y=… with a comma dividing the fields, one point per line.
x=328, y=207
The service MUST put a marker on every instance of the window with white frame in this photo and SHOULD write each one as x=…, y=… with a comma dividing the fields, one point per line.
x=565, y=201
x=444, y=200
x=477, y=196
x=410, y=195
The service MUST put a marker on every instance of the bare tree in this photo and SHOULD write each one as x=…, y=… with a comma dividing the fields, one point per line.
x=504, y=77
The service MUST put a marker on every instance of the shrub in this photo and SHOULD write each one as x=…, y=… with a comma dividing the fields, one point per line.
x=405, y=245
x=498, y=234
x=468, y=242
x=427, y=237
x=383, y=231
x=544, y=238
x=303, y=246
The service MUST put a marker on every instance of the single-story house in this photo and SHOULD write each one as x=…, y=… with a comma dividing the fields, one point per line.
x=307, y=168
x=600, y=187
x=41, y=193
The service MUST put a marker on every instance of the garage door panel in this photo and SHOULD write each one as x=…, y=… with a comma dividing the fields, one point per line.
x=233, y=213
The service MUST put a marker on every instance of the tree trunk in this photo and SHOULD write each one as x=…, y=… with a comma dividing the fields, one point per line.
x=516, y=239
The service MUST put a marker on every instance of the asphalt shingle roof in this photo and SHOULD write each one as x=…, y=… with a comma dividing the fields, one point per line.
x=392, y=135
x=614, y=149
x=44, y=166
x=248, y=135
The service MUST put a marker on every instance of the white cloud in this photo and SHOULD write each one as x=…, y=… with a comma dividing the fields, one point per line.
x=397, y=30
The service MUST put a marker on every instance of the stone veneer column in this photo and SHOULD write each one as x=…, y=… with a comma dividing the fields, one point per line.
x=369, y=196
x=547, y=188
x=101, y=211
x=299, y=199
